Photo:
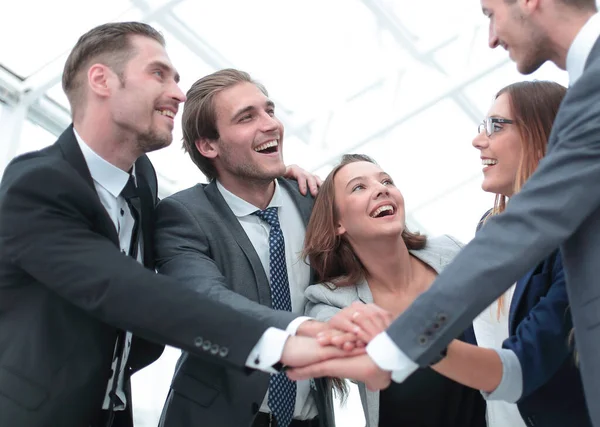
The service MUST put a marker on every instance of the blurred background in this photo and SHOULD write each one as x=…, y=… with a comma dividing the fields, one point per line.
x=403, y=81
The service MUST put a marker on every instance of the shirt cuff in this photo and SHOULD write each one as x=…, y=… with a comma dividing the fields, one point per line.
x=510, y=388
x=268, y=350
x=295, y=324
x=389, y=357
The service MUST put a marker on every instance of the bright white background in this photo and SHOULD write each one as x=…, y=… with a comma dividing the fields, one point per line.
x=401, y=80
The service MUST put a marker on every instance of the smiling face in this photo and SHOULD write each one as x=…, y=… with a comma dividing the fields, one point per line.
x=501, y=152
x=512, y=27
x=250, y=142
x=367, y=203
x=145, y=98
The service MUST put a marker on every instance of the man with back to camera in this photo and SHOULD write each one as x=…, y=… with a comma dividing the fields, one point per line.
x=559, y=206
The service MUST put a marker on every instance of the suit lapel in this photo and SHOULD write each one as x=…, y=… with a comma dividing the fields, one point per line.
x=147, y=202
x=73, y=155
x=224, y=212
x=520, y=289
x=595, y=52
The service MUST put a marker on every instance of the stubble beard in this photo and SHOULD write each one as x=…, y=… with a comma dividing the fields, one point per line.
x=152, y=141
x=249, y=171
x=536, y=47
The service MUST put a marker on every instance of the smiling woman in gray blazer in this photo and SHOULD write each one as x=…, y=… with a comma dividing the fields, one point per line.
x=358, y=245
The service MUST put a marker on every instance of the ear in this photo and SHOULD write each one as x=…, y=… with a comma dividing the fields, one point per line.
x=207, y=147
x=340, y=230
x=100, y=79
x=528, y=6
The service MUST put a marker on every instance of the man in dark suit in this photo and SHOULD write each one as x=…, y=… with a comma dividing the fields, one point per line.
x=244, y=230
x=76, y=304
x=559, y=206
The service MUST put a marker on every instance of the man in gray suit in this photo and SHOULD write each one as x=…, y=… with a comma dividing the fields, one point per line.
x=559, y=206
x=239, y=239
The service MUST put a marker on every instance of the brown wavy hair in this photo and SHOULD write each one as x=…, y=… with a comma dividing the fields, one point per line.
x=330, y=254
x=534, y=105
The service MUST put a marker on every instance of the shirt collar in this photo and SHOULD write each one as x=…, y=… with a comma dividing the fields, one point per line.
x=581, y=47
x=104, y=173
x=242, y=208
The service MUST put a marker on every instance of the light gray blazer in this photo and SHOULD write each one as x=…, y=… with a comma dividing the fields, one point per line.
x=325, y=300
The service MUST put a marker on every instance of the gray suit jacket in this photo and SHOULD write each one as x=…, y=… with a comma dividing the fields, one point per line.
x=199, y=241
x=325, y=300
x=558, y=206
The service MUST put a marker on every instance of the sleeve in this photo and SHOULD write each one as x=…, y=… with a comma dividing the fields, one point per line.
x=551, y=206
x=320, y=305
x=183, y=252
x=541, y=339
x=49, y=219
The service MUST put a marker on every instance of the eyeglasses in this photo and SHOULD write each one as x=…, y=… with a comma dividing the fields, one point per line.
x=488, y=125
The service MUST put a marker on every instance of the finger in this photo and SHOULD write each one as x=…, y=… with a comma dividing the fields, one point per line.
x=348, y=346
x=302, y=184
x=343, y=339
x=342, y=322
x=365, y=328
x=322, y=369
x=325, y=338
x=319, y=181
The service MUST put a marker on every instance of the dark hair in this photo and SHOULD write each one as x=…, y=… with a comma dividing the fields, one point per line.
x=587, y=5
x=199, y=117
x=109, y=44
x=329, y=254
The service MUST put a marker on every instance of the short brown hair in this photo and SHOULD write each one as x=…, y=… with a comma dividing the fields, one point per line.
x=584, y=5
x=328, y=253
x=109, y=44
x=199, y=117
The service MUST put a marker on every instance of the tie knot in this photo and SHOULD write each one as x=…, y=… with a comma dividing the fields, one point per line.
x=130, y=189
x=269, y=216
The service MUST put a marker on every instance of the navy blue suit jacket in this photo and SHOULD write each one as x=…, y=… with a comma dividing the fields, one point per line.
x=539, y=328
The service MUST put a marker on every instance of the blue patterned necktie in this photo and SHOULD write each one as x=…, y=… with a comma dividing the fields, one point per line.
x=282, y=391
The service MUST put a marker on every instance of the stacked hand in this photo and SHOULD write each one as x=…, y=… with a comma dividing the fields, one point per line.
x=347, y=332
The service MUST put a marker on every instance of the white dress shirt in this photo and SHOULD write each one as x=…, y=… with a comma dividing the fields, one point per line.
x=382, y=349
x=491, y=330
x=270, y=346
x=581, y=47
x=109, y=181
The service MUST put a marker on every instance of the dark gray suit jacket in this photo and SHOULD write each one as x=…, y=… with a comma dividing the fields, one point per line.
x=66, y=291
x=558, y=206
x=199, y=241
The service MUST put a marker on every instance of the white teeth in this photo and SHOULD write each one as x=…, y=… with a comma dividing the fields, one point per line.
x=381, y=209
x=488, y=162
x=167, y=113
x=266, y=145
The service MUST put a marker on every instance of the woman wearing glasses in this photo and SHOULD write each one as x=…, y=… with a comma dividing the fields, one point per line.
x=524, y=354
x=527, y=358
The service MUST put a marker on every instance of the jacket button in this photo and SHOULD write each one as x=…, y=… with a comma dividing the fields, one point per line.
x=223, y=352
x=442, y=318
x=423, y=339
x=206, y=345
x=214, y=349
x=198, y=341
